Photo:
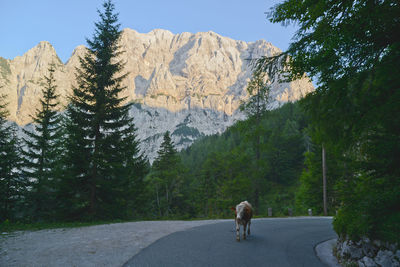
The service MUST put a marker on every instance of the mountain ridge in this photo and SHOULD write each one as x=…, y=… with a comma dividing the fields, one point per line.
x=171, y=77
x=173, y=71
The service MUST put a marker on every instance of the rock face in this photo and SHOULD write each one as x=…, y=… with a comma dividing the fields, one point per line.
x=185, y=126
x=174, y=73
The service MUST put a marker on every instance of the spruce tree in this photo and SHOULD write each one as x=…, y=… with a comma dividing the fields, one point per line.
x=166, y=176
x=258, y=90
x=12, y=183
x=102, y=161
x=41, y=152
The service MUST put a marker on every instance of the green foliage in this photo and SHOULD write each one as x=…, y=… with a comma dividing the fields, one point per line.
x=352, y=49
x=12, y=182
x=309, y=194
x=223, y=182
x=166, y=178
x=42, y=153
x=103, y=169
x=255, y=107
x=370, y=207
x=223, y=168
x=280, y=198
x=258, y=91
x=185, y=130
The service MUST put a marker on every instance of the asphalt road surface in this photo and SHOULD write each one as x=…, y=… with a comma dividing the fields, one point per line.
x=273, y=242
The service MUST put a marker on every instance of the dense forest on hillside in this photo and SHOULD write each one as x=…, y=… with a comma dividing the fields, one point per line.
x=223, y=172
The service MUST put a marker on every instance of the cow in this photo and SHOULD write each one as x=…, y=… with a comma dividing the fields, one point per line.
x=243, y=214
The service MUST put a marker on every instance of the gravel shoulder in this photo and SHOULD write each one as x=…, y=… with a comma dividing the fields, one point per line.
x=100, y=245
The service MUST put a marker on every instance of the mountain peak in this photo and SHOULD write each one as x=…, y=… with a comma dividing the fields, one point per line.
x=43, y=47
x=129, y=31
x=160, y=32
x=45, y=44
x=43, y=52
x=79, y=51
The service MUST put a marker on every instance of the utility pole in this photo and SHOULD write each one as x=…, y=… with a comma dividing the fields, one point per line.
x=324, y=179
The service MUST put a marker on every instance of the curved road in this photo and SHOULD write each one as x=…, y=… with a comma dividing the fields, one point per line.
x=273, y=242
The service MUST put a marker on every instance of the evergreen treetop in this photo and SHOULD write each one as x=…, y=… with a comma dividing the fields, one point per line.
x=41, y=154
x=166, y=155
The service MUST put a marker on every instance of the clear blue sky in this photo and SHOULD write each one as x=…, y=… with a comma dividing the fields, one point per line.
x=66, y=23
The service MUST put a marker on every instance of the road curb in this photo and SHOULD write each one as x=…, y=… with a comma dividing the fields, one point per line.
x=324, y=252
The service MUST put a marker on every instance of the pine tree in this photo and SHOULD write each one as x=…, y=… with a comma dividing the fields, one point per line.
x=255, y=107
x=166, y=176
x=41, y=152
x=258, y=90
x=12, y=183
x=102, y=156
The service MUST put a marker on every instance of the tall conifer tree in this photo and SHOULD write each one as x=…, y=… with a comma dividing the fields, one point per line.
x=103, y=164
x=12, y=183
x=166, y=176
x=255, y=107
x=42, y=150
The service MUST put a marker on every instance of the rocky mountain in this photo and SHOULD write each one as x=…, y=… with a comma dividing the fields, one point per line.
x=189, y=84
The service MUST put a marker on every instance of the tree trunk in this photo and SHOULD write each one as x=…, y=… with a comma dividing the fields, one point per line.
x=158, y=201
x=93, y=180
x=166, y=196
x=324, y=179
x=92, y=185
x=258, y=141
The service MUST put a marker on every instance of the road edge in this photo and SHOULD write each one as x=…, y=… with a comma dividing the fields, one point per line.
x=324, y=252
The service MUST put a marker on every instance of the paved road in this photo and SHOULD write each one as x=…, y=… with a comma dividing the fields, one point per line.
x=273, y=242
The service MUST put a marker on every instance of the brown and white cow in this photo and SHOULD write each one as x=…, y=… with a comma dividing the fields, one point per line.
x=243, y=214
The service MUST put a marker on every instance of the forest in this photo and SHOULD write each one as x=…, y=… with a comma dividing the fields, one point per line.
x=84, y=165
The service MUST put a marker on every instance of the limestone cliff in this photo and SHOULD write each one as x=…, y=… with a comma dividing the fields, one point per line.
x=172, y=71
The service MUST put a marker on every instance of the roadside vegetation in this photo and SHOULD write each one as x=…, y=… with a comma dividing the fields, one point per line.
x=352, y=51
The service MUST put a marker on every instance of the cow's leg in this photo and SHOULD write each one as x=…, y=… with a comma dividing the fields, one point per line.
x=248, y=229
x=244, y=230
x=237, y=231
